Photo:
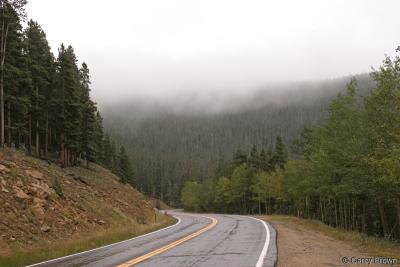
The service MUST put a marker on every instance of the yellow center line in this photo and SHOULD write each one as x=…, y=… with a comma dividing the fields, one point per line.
x=171, y=245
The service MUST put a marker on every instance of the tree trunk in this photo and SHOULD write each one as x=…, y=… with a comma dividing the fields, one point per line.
x=52, y=137
x=336, y=214
x=321, y=209
x=385, y=225
x=3, y=45
x=67, y=157
x=30, y=134
x=354, y=216
x=364, y=218
x=341, y=215
x=345, y=214
x=62, y=150
x=8, y=123
x=266, y=206
x=46, y=142
x=2, y=106
x=307, y=209
x=398, y=214
x=37, y=147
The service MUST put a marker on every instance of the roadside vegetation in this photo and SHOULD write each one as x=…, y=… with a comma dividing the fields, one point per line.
x=344, y=173
x=23, y=255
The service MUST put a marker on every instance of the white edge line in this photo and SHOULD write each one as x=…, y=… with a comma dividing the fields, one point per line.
x=260, y=261
x=113, y=244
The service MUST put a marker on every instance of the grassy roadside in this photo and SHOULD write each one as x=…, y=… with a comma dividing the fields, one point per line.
x=41, y=252
x=371, y=245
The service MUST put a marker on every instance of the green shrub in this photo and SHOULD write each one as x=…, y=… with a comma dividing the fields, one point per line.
x=57, y=186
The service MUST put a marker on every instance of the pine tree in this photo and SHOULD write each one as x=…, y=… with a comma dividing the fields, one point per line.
x=98, y=137
x=16, y=82
x=239, y=158
x=281, y=154
x=45, y=103
x=69, y=105
x=254, y=158
x=41, y=68
x=125, y=171
x=12, y=11
x=107, y=159
x=89, y=119
x=263, y=161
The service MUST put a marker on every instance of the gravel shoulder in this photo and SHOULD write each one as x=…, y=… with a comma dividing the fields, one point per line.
x=300, y=246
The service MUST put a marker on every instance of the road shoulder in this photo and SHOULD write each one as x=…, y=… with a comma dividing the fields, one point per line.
x=299, y=245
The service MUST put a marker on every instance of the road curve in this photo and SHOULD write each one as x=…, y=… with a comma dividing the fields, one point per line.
x=195, y=240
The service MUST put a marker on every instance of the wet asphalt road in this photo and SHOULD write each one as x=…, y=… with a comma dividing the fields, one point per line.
x=234, y=241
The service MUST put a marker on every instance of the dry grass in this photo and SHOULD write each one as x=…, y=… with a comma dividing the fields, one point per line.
x=373, y=246
x=45, y=251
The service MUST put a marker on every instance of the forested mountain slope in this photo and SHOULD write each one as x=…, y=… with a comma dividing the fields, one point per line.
x=345, y=171
x=174, y=141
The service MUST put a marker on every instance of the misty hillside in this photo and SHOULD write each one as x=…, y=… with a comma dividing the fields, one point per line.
x=170, y=142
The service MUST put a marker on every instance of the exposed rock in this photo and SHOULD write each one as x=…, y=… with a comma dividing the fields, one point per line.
x=38, y=211
x=25, y=227
x=45, y=228
x=39, y=201
x=19, y=193
x=41, y=190
x=3, y=189
x=4, y=169
x=8, y=163
x=123, y=202
x=81, y=179
x=32, y=213
x=35, y=174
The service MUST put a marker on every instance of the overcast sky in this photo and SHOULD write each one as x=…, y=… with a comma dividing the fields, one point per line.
x=157, y=47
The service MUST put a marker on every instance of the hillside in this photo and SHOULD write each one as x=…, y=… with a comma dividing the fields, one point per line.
x=70, y=209
x=174, y=141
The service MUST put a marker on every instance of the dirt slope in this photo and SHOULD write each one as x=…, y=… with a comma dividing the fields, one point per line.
x=43, y=203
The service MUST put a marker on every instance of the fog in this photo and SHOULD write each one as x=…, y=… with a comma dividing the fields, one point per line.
x=161, y=51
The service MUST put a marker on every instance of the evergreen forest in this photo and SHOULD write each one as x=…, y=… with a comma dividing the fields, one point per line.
x=45, y=104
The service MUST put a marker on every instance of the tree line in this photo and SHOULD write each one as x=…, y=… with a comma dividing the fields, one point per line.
x=169, y=148
x=45, y=103
x=235, y=187
x=344, y=172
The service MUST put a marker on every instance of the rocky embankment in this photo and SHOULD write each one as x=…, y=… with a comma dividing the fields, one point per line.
x=42, y=203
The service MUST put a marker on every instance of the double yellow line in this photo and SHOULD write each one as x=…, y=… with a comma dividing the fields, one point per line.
x=171, y=245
